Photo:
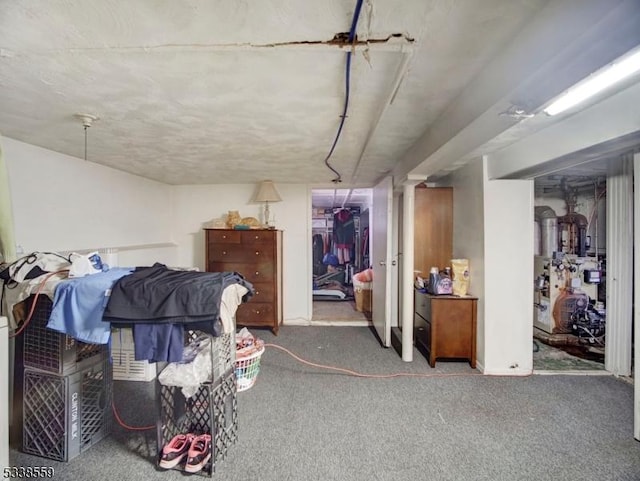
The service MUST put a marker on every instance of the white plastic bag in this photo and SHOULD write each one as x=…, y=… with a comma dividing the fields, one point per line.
x=194, y=369
x=86, y=264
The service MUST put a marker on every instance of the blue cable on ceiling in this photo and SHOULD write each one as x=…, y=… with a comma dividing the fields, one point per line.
x=352, y=37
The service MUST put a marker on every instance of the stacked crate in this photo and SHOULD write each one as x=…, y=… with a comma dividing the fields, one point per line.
x=66, y=396
x=211, y=410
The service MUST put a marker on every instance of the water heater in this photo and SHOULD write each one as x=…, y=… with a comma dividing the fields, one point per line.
x=547, y=232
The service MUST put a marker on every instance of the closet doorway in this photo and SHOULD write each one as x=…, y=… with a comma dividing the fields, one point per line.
x=340, y=250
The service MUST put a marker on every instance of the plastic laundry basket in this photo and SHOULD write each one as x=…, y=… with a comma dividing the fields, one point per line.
x=247, y=368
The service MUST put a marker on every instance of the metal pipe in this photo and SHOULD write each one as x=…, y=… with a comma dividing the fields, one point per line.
x=400, y=74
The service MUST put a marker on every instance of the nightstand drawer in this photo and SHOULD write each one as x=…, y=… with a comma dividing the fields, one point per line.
x=422, y=305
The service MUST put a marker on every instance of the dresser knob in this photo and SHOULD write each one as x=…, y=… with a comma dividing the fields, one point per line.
x=257, y=273
x=224, y=253
x=257, y=312
x=257, y=237
x=257, y=253
x=224, y=236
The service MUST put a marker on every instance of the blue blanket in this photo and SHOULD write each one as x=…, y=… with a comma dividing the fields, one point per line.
x=79, y=304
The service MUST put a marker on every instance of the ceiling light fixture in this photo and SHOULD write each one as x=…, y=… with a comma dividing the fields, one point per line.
x=87, y=121
x=615, y=72
x=516, y=112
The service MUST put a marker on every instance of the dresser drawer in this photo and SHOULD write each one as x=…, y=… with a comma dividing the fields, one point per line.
x=264, y=292
x=241, y=253
x=254, y=273
x=223, y=237
x=257, y=237
x=255, y=313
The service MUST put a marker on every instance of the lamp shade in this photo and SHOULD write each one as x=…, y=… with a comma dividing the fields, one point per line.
x=267, y=192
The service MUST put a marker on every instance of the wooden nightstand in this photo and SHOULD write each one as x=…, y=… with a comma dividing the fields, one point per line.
x=445, y=327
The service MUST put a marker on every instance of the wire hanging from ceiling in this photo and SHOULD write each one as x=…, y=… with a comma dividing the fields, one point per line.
x=351, y=40
x=85, y=141
x=87, y=121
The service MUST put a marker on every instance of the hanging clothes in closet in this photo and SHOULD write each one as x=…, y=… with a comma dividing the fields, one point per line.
x=318, y=253
x=365, y=249
x=344, y=235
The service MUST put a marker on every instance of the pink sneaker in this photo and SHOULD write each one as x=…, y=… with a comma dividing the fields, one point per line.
x=175, y=450
x=199, y=453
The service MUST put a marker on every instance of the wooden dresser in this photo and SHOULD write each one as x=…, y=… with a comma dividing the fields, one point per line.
x=445, y=327
x=257, y=255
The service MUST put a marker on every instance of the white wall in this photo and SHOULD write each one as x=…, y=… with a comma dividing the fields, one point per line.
x=508, y=263
x=62, y=203
x=195, y=205
x=468, y=236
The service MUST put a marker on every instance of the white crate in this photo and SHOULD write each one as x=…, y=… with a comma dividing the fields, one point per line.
x=125, y=366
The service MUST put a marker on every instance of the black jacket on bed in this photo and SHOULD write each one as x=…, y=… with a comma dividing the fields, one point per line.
x=158, y=294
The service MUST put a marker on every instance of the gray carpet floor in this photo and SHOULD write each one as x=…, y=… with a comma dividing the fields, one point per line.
x=302, y=423
x=337, y=311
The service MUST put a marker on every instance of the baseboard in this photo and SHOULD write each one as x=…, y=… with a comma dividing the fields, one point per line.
x=346, y=323
x=506, y=372
x=591, y=372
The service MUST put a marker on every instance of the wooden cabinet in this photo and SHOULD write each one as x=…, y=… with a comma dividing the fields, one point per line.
x=257, y=255
x=433, y=237
x=445, y=327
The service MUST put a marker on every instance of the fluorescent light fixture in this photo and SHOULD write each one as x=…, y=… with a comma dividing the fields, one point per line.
x=616, y=71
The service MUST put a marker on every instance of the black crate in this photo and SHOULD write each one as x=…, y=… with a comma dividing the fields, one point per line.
x=223, y=351
x=63, y=416
x=211, y=410
x=52, y=351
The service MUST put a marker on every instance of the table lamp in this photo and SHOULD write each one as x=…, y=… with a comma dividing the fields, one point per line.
x=267, y=193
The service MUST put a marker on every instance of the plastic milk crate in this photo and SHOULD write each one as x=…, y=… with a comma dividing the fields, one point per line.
x=211, y=410
x=223, y=352
x=63, y=416
x=52, y=351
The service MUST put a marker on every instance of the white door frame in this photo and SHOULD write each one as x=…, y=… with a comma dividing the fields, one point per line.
x=381, y=258
x=408, y=263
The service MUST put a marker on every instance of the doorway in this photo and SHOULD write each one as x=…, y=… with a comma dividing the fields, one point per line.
x=341, y=256
x=570, y=266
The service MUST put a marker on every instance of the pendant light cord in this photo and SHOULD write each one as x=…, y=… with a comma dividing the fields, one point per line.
x=351, y=40
x=85, y=142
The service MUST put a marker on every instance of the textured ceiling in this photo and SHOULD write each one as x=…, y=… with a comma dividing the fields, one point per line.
x=230, y=91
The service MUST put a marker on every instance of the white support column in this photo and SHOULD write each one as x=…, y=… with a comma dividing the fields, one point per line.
x=617, y=356
x=636, y=297
x=408, y=236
